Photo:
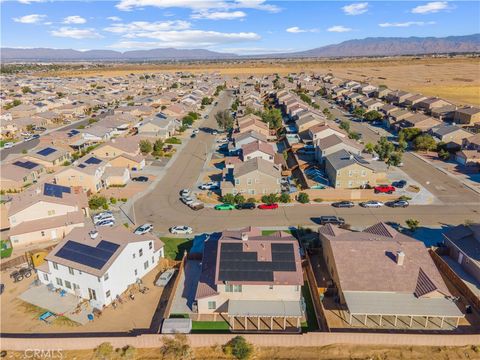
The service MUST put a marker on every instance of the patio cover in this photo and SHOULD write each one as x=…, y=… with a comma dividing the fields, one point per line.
x=391, y=304
x=257, y=308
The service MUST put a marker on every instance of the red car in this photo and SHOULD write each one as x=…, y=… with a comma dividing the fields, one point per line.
x=386, y=189
x=268, y=206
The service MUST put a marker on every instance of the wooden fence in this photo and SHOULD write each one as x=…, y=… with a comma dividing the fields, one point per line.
x=174, y=288
x=317, y=303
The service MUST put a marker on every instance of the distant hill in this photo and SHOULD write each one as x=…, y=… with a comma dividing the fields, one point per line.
x=379, y=46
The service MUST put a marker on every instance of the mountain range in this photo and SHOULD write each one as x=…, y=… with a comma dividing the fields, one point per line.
x=377, y=46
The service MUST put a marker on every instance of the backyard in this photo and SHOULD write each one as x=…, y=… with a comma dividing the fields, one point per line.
x=175, y=247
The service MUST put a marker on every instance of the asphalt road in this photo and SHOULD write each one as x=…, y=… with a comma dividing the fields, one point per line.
x=163, y=209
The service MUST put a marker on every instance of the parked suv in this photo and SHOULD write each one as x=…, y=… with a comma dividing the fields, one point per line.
x=386, y=189
x=335, y=220
x=245, y=206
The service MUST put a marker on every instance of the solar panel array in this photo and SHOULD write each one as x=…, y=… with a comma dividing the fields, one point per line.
x=237, y=265
x=25, y=164
x=73, y=133
x=81, y=166
x=55, y=190
x=93, y=160
x=47, y=151
x=94, y=257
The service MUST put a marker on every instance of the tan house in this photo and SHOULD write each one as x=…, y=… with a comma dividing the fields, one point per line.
x=419, y=121
x=253, y=177
x=116, y=147
x=333, y=143
x=19, y=173
x=88, y=175
x=254, y=125
x=468, y=157
x=50, y=157
x=47, y=212
x=258, y=149
x=128, y=161
x=467, y=116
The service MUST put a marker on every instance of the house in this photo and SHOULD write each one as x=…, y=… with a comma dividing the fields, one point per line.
x=251, y=279
x=100, y=264
x=419, y=121
x=452, y=135
x=50, y=156
x=240, y=139
x=254, y=125
x=96, y=134
x=159, y=126
x=372, y=104
x=128, y=161
x=115, y=176
x=258, y=149
x=385, y=275
x=398, y=97
x=47, y=212
x=444, y=113
x=463, y=243
x=333, y=143
x=117, y=146
x=321, y=131
x=413, y=100
x=427, y=105
x=472, y=142
x=88, y=175
x=349, y=171
x=252, y=177
x=306, y=122
x=467, y=116
x=19, y=173
x=468, y=157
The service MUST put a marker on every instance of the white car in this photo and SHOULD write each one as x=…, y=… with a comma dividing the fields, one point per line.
x=185, y=193
x=143, y=229
x=213, y=185
x=102, y=216
x=195, y=131
x=371, y=204
x=8, y=145
x=222, y=141
x=187, y=200
x=181, y=229
x=165, y=278
x=108, y=222
x=28, y=138
x=214, y=132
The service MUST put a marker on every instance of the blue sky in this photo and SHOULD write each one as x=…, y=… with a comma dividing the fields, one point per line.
x=238, y=26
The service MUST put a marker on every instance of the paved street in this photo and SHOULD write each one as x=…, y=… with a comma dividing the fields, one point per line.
x=163, y=208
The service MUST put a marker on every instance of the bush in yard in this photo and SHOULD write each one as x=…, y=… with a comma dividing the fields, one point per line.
x=158, y=147
x=96, y=202
x=228, y=199
x=239, y=348
x=176, y=348
x=113, y=200
x=239, y=199
x=173, y=140
x=424, y=143
x=128, y=352
x=412, y=224
x=251, y=200
x=104, y=351
x=284, y=198
x=318, y=200
x=270, y=199
x=145, y=146
x=405, y=197
x=303, y=198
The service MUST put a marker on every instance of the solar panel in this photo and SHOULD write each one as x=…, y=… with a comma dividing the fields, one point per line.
x=81, y=166
x=95, y=257
x=93, y=160
x=47, y=151
x=25, y=164
x=55, y=190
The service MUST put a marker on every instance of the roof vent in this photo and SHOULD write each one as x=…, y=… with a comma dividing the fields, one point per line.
x=351, y=157
x=244, y=236
x=38, y=191
x=400, y=258
x=93, y=234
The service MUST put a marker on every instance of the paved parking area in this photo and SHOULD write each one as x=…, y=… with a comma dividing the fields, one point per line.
x=186, y=289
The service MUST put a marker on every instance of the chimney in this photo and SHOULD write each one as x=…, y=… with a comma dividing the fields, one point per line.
x=244, y=236
x=93, y=234
x=400, y=258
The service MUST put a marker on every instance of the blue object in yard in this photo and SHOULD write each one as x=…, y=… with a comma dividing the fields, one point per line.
x=45, y=316
x=90, y=317
x=63, y=293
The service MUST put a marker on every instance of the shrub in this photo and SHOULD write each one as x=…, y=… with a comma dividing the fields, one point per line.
x=128, y=352
x=303, y=198
x=318, y=200
x=104, y=351
x=284, y=198
x=66, y=163
x=239, y=348
x=270, y=199
x=24, y=151
x=123, y=199
x=173, y=140
x=239, y=199
x=412, y=224
x=228, y=199
x=105, y=206
x=96, y=202
x=113, y=200
x=251, y=200
x=145, y=146
x=176, y=347
x=126, y=225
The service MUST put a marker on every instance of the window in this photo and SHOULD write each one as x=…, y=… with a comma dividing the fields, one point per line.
x=364, y=173
x=133, y=255
x=75, y=286
x=297, y=287
x=350, y=172
x=45, y=276
x=70, y=270
x=55, y=266
x=79, y=272
x=107, y=294
x=237, y=288
x=249, y=181
x=92, y=294
x=68, y=284
x=105, y=277
x=42, y=233
x=98, y=277
x=140, y=252
x=271, y=287
x=150, y=245
x=237, y=181
x=136, y=272
x=145, y=265
x=51, y=212
x=228, y=288
x=212, y=305
x=59, y=282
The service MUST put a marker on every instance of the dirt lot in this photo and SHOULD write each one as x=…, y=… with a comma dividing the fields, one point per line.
x=455, y=79
x=332, y=352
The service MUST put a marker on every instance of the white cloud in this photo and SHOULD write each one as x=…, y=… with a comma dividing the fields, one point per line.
x=256, y=4
x=407, y=24
x=297, y=30
x=219, y=15
x=355, y=9
x=143, y=26
x=30, y=19
x=339, y=29
x=431, y=7
x=74, y=19
x=185, y=39
x=27, y=2
x=76, y=33
x=114, y=18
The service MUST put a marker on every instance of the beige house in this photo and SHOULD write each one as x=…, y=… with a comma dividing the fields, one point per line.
x=253, y=177
x=117, y=146
x=47, y=212
x=258, y=149
x=50, y=157
x=467, y=116
x=254, y=125
x=87, y=175
x=19, y=173
x=128, y=161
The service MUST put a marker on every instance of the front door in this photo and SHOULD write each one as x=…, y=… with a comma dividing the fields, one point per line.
x=460, y=258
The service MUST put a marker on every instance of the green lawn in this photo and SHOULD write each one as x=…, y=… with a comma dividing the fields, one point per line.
x=174, y=247
x=209, y=326
x=6, y=249
x=270, y=232
x=311, y=324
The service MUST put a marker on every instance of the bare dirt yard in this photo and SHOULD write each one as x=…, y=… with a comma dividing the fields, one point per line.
x=456, y=79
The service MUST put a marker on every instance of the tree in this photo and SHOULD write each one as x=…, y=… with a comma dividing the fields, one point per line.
x=224, y=119
x=326, y=112
x=104, y=351
x=402, y=145
x=26, y=89
x=284, y=198
x=395, y=158
x=384, y=148
x=303, y=198
x=145, y=146
x=412, y=224
x=238, y=347
x=443, y=154
x=373, y=115
x=408, y=134
x=187, y=120
x=228, y=199
x=270, y=199
x=96, y=202
x=30, y=127
x=369, y=148
x=354, y=135
x=424, y=143
x=206, y=100
x=358, y=112
x=239, y=199
x=158, y=147
x=176, y=348
x=273, y=117
x=345, y=125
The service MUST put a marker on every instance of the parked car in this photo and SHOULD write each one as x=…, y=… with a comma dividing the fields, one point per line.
x=193, y=136
x=140, y=178
x=107, y=222
x=197, y=206
x=143, y=229
x=187, y=200
x=222, y=141
x=40, y=128
x=214, y=132
x=400, y=184
x=398, y=203
x=385, y=189
x=331, y=220
x=195, y=131
x=245, y=206
x=224, y=207
x=371, y=204
x=35, y=136
x=165, y=278
x=343, y=204
x=8, y=145
x=268, y=206
x=106, y=215
x=181, y=229
x=28, y=138
x=213, y=185
x=185, y=192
